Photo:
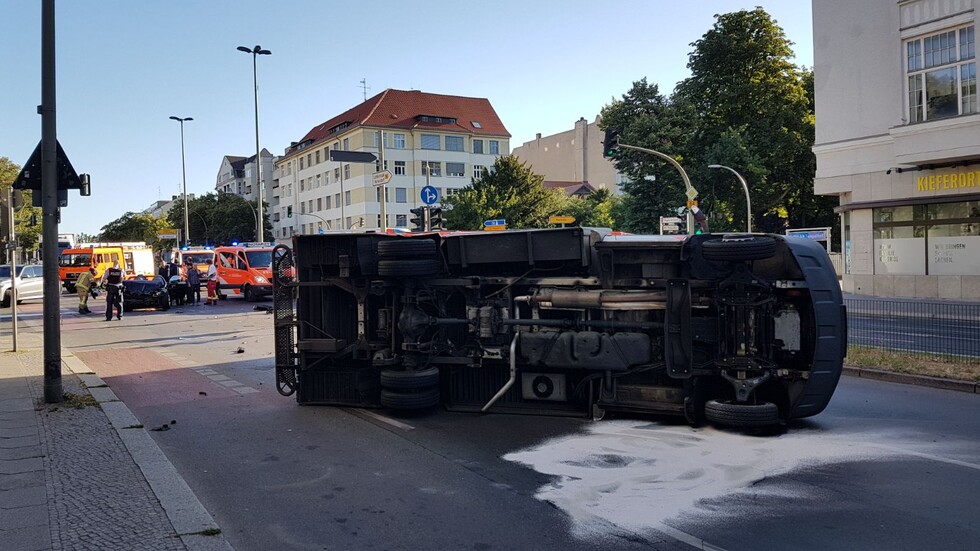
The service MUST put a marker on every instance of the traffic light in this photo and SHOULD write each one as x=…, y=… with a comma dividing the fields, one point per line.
x=289, y=211
x=700, y=220
x=436, y=221
x=610, y=144
x=420, y=220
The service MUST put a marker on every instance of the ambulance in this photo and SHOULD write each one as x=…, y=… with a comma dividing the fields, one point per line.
x=245, y=269
x=199, y=256
x=135, y=258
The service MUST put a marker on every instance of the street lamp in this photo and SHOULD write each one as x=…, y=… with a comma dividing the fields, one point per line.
x=745, y=188
x=257, y=51
x=255, y=214
x=183, y=165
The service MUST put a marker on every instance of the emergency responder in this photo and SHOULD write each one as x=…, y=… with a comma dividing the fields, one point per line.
x=83, y=285
x=212, y=279
x=112, y=281
x=193, y=284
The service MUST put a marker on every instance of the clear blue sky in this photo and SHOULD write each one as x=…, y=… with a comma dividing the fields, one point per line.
x=125, y=66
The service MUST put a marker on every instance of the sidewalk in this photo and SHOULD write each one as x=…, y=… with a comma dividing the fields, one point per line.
x=84, y=474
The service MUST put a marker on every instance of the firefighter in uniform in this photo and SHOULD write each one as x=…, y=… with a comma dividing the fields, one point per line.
x=112, y=281
x=85, y=282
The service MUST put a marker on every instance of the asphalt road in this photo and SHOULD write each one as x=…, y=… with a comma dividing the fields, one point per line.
x=885, y=467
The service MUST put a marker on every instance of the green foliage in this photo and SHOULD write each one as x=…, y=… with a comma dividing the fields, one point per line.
x=28, y=236
x=595, y=210
x=509, y=190
x=217, y=219
x=135, y=227
x=745, y=106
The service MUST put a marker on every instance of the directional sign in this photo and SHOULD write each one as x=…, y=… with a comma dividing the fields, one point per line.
x=430, y=195
x=670, y=220
x=497, y=222
x=167, y=234
x=494, y=228
x=814, y=235
x=381, y=178
x=352, y=156
x=561, y=219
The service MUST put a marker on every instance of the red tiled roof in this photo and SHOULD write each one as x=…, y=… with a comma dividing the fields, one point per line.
x=399, y=109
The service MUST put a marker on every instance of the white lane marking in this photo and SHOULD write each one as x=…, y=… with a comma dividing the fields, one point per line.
x=930, y=456
x=388, y=420
x=684, y=537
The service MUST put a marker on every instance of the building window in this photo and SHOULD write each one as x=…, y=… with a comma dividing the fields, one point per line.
x=336, y=173
x=398, y=141
x=434, y=167
x=302, y=185
x=478, y=171
x=377, y=138
x=317, y=156
x=454, y=143
x=377, y=195
x=494, y=147
x=327, y=201
x=430, y=141
x=309, y=205
x=400, y=195
x=399, y=168
x=319, y=204
x=326, y=178
x=317, y=181
x=450, y=191
x=942, y=75
x=401, y=220
x=347, y=222
x=336, y=202
x=347, y=198
x=455, y=169
x=347, y=172
x=302, y=207
x=346, y=144
x=478, y=146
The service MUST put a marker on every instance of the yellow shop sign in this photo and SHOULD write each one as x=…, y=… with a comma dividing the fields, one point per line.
x=948, y=180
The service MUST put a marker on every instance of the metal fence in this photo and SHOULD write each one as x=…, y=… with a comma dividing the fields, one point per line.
x=924, y=329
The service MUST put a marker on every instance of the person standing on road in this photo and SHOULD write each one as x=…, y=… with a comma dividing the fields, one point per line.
x=193, y=284
x=212, y=278
x=112, y=281
x=84, y=285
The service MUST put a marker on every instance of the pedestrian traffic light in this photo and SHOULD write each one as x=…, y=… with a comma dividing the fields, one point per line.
x=436, y=221
x=610, y=145
x=419, y=221
x=700, y=220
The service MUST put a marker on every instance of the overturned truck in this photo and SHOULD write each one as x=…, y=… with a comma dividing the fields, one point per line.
x=739, y=329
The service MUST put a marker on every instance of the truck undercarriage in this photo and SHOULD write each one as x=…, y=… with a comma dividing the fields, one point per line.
x=739, y=329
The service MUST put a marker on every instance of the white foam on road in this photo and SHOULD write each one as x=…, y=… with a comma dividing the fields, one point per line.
x=636, y=475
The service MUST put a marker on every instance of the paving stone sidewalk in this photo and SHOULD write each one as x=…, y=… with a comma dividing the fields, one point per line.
x=74, y=477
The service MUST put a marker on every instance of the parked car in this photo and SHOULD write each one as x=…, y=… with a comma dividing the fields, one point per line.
x=30, y=283
x=145, y=293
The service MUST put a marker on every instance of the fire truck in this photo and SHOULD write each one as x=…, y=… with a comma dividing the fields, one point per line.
x=135, y=258
x=743, y=330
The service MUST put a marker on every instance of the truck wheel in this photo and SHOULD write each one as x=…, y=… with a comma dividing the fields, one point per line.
x=410, y=379
x=409, y=267
x=737, y=248
x=410, y=400
x=405, y=247
x=250, y=295
x=741, y=415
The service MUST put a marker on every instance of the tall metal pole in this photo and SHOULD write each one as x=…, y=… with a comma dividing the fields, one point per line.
x=13, y=266
x=257, y=51
x=183, y=166
x=748, y=200
x=384, y=187
x=49, y=209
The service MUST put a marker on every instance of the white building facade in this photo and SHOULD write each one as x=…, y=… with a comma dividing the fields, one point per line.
x=428, y=139
x=572, y=157
x=898, y=141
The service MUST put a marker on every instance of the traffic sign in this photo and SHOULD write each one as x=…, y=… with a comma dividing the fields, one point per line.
x=494, y=228
x=430, y=195
x=671, y=227
x=561, y=219
x=381, y=178
x=670, y=220
x=692, y=194
x=167, y=234
x=492, y=223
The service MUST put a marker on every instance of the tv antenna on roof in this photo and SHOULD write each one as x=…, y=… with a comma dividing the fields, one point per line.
x=364, y=87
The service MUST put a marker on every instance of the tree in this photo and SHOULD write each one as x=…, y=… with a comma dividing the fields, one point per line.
x=753, y=111
x=135, y=227
x=218, y=218
x=509, y=190
x=27, y=220
x=595, y=210
x=653, y=188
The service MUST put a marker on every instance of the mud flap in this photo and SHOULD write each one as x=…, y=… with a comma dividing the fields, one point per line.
x=283, y=274
x=678, y=346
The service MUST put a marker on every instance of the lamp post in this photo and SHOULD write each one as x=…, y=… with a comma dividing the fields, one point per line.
x=745, y=188
x=257, y=51
x=183, y=166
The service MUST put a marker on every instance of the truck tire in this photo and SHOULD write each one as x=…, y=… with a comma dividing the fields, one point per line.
x=405, y=247
x=736, y=248
x=741, y=415
x=409, y=267
x=250, y=295
x=410, y=400
x=410, y=379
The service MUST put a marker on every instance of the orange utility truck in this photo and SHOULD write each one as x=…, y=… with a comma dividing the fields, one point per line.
x=245, y=269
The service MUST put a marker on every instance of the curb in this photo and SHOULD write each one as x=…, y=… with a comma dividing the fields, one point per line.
x=917, y=380
x=185, y=512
